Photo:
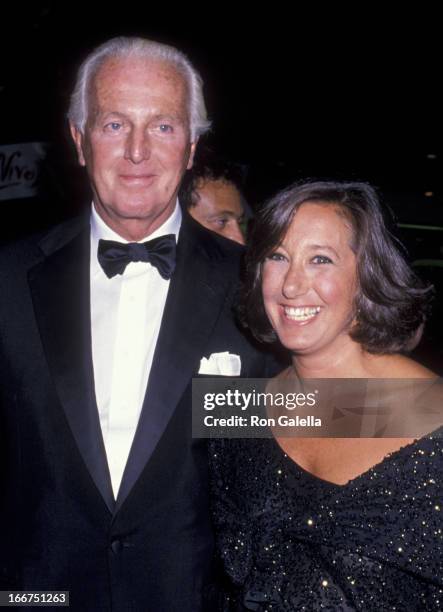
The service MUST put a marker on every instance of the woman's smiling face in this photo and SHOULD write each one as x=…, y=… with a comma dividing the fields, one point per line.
x=309, y=282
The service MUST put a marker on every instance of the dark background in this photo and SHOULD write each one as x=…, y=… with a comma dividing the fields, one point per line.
x=306, y=93
x=292, y=92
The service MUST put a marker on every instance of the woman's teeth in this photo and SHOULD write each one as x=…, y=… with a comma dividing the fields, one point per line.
x=301, y=314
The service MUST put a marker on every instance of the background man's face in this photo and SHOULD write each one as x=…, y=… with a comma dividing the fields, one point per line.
x=219, y=208
x=136, y=144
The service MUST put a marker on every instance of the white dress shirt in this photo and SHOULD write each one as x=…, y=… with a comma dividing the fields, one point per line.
x=126, y=313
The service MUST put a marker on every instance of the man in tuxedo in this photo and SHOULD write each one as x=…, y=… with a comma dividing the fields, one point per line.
x=103, y=323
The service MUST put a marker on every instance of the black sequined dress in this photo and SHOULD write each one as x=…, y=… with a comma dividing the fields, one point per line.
x=291, y=541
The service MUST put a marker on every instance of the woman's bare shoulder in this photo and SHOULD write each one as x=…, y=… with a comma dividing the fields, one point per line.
x=399, y=366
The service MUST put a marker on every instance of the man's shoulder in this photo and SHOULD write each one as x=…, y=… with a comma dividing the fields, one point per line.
x=209, y=244
x=30, y=249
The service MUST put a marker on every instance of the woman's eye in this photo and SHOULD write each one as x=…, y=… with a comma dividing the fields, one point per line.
x=276, y=257
x=165, y=128
x=321, y=259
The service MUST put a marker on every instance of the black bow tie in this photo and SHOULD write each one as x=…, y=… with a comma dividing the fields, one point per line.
x=159, y=252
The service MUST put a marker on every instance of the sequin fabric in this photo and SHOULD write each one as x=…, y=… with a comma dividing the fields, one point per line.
x=288, y=540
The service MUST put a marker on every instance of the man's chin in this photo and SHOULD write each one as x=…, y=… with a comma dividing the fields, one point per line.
x=136, y=208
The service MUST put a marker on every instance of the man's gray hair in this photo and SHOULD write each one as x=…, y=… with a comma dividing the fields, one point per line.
x=141, y=48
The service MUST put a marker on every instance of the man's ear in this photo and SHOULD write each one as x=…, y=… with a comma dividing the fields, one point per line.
x=77, y=137
x=191, y=155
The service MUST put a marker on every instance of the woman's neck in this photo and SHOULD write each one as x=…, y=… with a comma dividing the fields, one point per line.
x=345, y=361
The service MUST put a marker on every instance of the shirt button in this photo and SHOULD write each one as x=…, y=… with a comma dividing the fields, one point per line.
x=116, y=546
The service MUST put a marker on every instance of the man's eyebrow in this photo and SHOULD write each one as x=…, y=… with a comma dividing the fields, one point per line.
x=158, y=117
x=169, y=116
x=104, y=115
x=227, y=213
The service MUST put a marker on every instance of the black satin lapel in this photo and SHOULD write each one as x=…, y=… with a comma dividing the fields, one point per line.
x=195, y=298
x=61, y=296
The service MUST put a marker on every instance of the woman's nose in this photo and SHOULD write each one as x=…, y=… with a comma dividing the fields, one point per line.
x=295, y=282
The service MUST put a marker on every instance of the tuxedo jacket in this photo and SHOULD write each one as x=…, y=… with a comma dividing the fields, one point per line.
x=151, y=549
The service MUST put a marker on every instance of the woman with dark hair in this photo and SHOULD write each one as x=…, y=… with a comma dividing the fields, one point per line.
x=331, y=523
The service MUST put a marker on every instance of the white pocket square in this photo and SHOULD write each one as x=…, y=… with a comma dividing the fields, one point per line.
x=221, y=364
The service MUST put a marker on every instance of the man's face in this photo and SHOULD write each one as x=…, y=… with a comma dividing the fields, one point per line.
x=136, y=144
x=219, y=208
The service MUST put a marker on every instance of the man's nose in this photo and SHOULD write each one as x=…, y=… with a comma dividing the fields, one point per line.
x=296, y=282
x=138, y=146
x=235, y=233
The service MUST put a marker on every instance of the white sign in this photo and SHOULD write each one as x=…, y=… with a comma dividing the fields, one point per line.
x=20, y=169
